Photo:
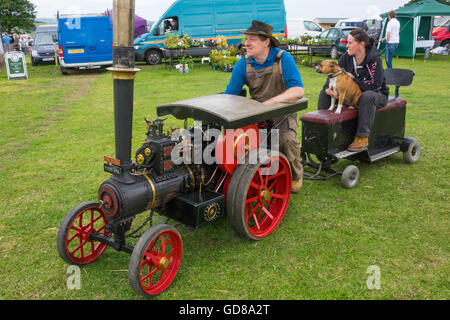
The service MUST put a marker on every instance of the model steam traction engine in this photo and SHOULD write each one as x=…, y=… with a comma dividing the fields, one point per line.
x=253, y=194
x=247, y=183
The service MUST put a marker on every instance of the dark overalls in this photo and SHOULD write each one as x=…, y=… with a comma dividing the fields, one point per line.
x=265, y=84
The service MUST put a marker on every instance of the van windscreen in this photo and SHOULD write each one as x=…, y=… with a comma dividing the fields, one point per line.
x=43, y=38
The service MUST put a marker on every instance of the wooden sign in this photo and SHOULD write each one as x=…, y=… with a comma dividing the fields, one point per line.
x=16, y=66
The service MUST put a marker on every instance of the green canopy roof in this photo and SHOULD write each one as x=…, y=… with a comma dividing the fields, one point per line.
x=422, y=8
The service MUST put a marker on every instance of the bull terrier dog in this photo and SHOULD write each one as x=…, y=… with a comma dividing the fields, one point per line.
x=341, y=83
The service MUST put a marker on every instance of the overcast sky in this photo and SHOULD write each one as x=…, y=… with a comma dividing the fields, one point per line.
x=153, y=9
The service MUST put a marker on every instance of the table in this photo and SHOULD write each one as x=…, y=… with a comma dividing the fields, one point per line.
x=176, y=54
x=427, y=45
x=296, y=49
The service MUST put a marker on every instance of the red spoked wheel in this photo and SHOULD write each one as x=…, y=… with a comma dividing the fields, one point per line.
x=261, y=196
x=73, y=242
x=155, y=260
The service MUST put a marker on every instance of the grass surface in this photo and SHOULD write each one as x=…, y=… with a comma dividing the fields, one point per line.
x=56, y=129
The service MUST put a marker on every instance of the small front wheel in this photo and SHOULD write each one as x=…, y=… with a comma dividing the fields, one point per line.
x=73, y=240
x=155, y=260
x=350, y=177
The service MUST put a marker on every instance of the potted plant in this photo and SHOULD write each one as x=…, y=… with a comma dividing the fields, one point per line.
x=223, y=59
x=304, y=39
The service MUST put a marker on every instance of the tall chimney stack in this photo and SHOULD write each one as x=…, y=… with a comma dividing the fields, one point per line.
x=123, y=73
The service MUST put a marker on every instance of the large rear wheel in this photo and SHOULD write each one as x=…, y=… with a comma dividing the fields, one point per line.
x=261, y=196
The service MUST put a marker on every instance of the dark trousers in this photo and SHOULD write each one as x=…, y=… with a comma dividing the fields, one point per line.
x=369, y=102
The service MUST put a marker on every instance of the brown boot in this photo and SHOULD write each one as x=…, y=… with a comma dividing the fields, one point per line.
x=358, y=144
x=296, y=185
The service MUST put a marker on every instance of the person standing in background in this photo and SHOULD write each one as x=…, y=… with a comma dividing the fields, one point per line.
x=6, y=42
x=15, y=46
x=392, y=38
x=24, y=45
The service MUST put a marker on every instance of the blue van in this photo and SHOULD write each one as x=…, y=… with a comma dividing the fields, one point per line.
x=85, y=41
x=208, y=19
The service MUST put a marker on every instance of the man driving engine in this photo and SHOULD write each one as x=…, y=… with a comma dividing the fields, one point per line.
x=272, y=77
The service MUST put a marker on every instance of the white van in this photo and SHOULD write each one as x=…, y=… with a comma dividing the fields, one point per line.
x=351, y=22
x=372, y=25
x=297, y=27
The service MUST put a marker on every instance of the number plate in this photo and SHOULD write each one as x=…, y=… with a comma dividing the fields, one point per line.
x=76, y=51
x=110, y=168
x=48, y=59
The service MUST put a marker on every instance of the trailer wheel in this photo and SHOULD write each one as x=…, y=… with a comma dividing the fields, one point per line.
x=261, y=196
x=412, y=154
x=73, y=241
x=153, y=57
x=155, y=260
x=350, y=176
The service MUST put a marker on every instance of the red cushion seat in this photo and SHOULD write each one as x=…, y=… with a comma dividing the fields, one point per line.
x=328, y=117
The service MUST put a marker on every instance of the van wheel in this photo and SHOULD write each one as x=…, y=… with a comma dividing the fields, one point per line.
x=446, y=44
x=63, y=70
x=334, y=53
x=153, y=57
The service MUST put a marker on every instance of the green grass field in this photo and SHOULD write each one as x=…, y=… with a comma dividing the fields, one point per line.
x=56, y=129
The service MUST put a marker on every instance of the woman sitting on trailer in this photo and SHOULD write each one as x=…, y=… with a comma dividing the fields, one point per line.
x=362, y=60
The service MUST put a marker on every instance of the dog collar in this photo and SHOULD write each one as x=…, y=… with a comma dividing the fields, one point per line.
x=334, y=75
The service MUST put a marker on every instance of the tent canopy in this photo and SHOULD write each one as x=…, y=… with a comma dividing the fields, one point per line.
x=422, y=8
x=416, y=22
x=140, y=24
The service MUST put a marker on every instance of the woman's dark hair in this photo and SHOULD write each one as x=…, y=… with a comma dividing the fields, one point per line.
x=361, y=36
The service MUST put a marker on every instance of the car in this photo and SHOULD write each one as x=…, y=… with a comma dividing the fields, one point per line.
x=441, y=34
x=43, y=49
x=299, y=27
x=338, y=38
